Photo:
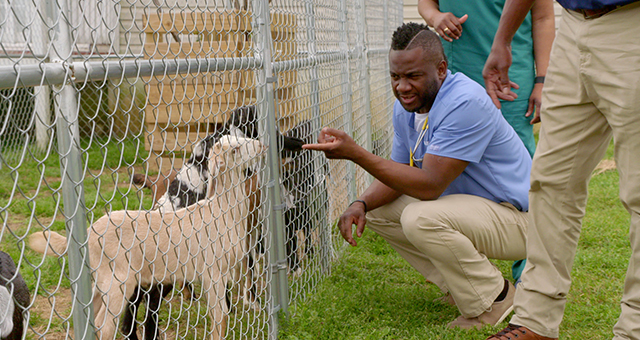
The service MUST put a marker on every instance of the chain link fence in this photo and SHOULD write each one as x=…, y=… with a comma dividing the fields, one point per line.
x=110, y=108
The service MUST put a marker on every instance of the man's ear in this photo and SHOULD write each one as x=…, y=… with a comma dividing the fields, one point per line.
x=442, y=69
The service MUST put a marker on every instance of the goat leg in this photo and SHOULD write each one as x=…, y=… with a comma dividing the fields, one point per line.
x=154, y=299
x=129, y=326
x=292, y=241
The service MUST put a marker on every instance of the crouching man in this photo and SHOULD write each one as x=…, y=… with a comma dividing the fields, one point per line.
x=455, y=192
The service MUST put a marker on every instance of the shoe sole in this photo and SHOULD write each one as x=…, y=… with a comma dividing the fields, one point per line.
x=504, y=315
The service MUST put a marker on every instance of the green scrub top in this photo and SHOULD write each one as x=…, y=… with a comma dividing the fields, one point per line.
x=469, y=53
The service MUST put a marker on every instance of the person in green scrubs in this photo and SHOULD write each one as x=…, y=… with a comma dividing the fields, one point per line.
x=467, y=28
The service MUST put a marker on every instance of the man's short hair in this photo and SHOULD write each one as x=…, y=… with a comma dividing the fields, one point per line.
x=411, y=35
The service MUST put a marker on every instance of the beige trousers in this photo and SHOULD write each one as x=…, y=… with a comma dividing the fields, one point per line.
x=592, y=92
x=450, y=240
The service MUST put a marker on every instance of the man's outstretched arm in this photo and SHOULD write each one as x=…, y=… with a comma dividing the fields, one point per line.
x=427, y=183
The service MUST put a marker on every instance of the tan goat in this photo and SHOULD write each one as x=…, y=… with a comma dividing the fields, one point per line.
x=204, y=242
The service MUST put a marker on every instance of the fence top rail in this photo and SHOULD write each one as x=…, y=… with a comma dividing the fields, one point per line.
x=54, y=73
x=60, y=73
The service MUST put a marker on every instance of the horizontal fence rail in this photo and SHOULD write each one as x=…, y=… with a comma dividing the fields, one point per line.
x=58, y=73
x=152, y=181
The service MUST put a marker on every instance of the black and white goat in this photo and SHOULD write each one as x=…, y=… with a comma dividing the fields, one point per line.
x=189, y=185
x=14, y=298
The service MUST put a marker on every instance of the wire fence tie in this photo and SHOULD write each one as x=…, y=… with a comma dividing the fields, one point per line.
x=279, y=265
x=272, y=79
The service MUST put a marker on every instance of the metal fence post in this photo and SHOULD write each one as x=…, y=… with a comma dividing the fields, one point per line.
x=67, y=132
x=316, y=120
x=364, y=71
x=347, y=93
x=42, y=107
x=385, y=24
x=312, y=50
x=279, y=288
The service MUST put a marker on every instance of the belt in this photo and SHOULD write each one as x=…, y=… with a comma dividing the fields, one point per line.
x=596, y=13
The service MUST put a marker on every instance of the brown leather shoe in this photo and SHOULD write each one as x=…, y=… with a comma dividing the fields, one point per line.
x=518, y=332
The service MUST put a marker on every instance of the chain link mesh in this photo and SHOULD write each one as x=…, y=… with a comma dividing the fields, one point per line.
x=108, y=107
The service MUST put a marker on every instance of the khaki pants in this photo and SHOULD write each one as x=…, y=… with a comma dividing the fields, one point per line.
x=592, y=92
x=449, y=241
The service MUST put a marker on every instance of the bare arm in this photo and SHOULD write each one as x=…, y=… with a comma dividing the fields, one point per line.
x=427, y=183
x=424, y=184
x=447, y=25
x=378, y=194
x=496, y=68
x=428, y=9
x=543, y=31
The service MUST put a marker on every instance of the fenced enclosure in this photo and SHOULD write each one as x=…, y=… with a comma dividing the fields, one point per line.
x=97, y=97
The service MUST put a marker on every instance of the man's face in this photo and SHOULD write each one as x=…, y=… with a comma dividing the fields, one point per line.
x=415, y=79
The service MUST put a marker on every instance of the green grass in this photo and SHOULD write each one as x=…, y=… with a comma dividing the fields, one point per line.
x=374, y=294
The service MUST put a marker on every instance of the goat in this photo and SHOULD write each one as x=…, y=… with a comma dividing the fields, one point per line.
x=14, y=299
x=204, y=241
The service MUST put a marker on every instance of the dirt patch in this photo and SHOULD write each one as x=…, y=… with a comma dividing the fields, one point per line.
x=50, y=316
x=605, y=165
x=16, y=226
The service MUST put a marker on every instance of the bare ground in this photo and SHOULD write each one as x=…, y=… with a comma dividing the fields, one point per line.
x=605, y=165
